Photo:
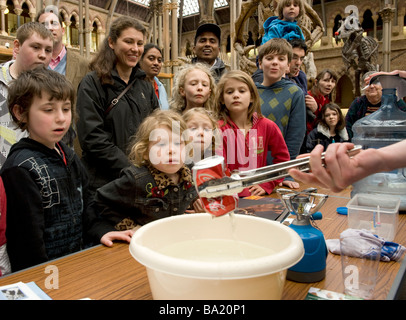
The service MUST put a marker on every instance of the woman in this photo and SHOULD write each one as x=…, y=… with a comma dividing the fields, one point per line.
x=321, y=91
x=151, y=63
x=105, y=128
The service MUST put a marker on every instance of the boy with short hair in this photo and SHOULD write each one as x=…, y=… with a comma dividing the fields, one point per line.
x=282, y=101
x=33, y=47
x=45, y=181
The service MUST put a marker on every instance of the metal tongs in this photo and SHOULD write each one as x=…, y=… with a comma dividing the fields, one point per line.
x=240, y=180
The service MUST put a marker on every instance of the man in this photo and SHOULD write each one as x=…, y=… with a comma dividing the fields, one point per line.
x=33, y=48
x=367, y=103
x=207, y=48
x=64, y=60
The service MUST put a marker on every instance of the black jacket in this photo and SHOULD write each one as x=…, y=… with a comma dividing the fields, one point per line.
x=105, y=139
x=139, y=196
x=46, y=203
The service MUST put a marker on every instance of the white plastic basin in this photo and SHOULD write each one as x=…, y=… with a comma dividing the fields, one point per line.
x=199, y=276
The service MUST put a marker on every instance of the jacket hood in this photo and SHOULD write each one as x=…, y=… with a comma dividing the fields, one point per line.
x=278, y=84
x=268, y=21
x=27, y=143
x=3, y=72
x=325, y=131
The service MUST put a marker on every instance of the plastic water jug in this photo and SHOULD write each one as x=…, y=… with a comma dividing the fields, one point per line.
x=385, y=126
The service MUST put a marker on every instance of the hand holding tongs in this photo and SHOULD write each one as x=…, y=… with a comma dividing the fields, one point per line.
x=241, y=180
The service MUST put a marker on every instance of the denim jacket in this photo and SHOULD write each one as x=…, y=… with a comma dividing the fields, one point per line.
x=141, y=195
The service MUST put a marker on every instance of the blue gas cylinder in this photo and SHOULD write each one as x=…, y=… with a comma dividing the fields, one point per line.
x=312, y=267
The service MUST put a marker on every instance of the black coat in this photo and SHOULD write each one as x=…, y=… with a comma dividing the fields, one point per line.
x=105, y=139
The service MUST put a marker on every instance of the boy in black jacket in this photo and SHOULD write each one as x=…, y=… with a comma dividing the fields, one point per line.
x=45, y=182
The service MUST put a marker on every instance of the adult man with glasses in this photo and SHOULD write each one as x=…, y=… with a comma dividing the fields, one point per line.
x=367, y=103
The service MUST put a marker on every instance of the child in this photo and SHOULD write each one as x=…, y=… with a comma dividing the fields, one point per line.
x=33, y=47
x=330, y=129
x=157, y=185
x=194, y=87
x=282, y=101
x=202, y=131
x=247, y=135
x=45, y=181
x=324, y=85
x=285, y=24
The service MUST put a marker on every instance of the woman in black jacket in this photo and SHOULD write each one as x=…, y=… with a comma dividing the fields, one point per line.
x=105, y=125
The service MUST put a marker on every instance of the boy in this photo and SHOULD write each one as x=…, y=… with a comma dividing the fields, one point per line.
x=64, y=60
x=45, y=182
x=33, y=47
x=282, y=101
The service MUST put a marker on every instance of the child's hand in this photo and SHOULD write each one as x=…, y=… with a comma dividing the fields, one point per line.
x=257, y=190
x=108, y=238
x=290, y=184
x=197, y=207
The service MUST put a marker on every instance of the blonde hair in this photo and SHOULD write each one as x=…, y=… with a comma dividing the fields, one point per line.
x=283, y=3
x=178, y=102
x=167, y=118
x=255, y=105
x=213, y=120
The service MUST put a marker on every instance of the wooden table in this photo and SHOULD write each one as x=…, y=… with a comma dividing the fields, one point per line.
x=111, y=273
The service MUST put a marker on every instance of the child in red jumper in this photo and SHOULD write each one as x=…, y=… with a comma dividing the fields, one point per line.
x=247, y=135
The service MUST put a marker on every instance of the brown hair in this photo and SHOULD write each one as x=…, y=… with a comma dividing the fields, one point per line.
x=277, y=46
x=220, y=108
x=332, y=106
x=33, y=83
x=283, y=3
x=105, y=59
x=26, y=30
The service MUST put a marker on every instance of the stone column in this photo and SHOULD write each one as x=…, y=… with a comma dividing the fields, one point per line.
x=166, y=27
x=3, y=7
x=175, y=36
x=387, y=14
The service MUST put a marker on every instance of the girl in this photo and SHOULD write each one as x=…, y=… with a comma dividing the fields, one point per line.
x=247, y=135
x=324, y=85
x=202, y=132
x=194, y=87
x=158, y=184
x=285, y=24
x=331, y=128
x=151, y=63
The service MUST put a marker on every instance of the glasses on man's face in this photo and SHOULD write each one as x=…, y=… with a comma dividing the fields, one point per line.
x=52, y=24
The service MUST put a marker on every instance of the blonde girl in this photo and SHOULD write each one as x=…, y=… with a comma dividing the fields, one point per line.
x=158, y=184
x=203, y=132
x=194, y=86
x=247, y=135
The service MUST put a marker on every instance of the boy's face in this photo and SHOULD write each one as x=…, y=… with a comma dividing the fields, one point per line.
x=274, y=66
x=48, y=120
x=34, y=52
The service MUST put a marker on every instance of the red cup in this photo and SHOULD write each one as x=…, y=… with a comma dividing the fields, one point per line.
x=208, y=169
